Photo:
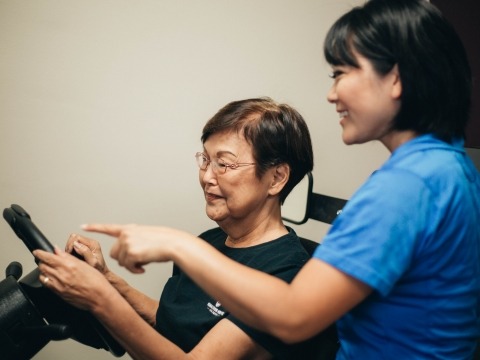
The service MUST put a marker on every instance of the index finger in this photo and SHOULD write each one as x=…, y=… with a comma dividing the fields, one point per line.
x=108, y=229
x=42, y=255
x=46, y=256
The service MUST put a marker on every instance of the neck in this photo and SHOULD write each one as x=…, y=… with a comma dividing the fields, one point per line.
x=394, y=139
x=257, y=234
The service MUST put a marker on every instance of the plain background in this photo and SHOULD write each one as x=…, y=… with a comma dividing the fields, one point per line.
x=102, y=104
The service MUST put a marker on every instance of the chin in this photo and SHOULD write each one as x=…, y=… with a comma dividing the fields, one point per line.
x=347, y=140
x=215, y=216
x=351, y=140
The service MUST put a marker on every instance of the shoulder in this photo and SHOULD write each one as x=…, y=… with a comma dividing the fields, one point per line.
x=431, y=160
x=283, y=254
x=422, y=170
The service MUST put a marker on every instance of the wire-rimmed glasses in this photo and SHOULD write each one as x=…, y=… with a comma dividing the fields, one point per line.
x=219, y=166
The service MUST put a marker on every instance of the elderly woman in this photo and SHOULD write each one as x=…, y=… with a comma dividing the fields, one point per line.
x=254, y=152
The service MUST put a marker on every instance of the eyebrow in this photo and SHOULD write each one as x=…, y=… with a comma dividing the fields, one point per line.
x=222, y=152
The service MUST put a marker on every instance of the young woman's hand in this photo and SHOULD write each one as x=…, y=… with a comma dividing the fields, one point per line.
x=138, y=245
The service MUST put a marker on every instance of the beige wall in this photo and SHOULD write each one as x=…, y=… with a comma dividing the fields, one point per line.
x=102, y=104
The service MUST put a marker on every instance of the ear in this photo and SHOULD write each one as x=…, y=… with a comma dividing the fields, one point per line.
x=281, y=174
x=397, y=83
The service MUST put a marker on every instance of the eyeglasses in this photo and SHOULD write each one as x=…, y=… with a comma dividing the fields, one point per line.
x=218, y=165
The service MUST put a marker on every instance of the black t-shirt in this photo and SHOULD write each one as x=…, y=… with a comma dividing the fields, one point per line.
x=187, y=313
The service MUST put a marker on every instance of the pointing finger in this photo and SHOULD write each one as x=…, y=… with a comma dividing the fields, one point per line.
x=108, y=229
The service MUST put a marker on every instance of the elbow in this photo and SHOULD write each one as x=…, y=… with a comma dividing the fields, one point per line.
x=294, y=329
x=291, y=340
x=291, y=331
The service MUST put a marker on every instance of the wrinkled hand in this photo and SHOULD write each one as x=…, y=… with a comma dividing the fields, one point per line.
x=72, y=279
x=138, y=245
x=89, y=250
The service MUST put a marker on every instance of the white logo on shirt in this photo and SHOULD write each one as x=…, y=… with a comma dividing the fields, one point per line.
x=215, y=309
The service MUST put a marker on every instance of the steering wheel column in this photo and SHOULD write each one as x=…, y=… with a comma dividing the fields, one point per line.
x=23, y=330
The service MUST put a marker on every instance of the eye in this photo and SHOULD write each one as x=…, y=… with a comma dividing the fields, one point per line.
x=221, y=164
x=335, y=73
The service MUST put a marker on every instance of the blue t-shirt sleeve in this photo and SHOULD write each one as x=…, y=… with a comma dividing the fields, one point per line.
x=377, y=234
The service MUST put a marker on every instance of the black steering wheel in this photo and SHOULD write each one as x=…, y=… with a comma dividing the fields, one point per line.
x=60, y=320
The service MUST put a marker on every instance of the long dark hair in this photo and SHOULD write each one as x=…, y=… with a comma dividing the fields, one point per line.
x=434, y=71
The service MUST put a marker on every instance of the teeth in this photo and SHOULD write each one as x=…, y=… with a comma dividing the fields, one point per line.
x=342, y=114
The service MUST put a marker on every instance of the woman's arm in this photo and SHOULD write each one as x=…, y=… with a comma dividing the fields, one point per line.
x=319, y=295
x=224, y=341
x=84, y=287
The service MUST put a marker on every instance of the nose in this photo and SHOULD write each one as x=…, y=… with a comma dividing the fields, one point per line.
x=332, y=95
x=208, y=175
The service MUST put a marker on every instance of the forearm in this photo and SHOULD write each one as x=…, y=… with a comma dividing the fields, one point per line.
x=145, y=306
x=318, y=296
x=224, y=340
x=138, y=338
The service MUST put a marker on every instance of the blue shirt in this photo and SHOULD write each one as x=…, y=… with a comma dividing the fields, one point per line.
x=412, y=233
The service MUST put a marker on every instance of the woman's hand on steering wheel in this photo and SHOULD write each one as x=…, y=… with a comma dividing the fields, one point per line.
x=89, y=250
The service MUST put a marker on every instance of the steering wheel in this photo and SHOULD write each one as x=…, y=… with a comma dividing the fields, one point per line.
x=64, y=320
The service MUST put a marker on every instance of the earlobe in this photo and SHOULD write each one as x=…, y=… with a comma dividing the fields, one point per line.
x=280, y=178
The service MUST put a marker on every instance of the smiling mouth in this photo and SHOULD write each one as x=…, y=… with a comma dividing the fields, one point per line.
x=343, y=114
x=211, y=197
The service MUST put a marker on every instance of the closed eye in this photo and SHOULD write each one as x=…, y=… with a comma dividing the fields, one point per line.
x=334, y=74
x=221, y=164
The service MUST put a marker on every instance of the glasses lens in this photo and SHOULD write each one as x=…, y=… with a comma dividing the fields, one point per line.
x=220, y=166
x=201, y=161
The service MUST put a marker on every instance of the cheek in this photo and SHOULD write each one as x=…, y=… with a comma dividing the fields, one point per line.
x=248, y=196
x=233, y=197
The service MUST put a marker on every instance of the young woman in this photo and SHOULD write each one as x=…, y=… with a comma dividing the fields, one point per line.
x=399, y=268
x=254, y=152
